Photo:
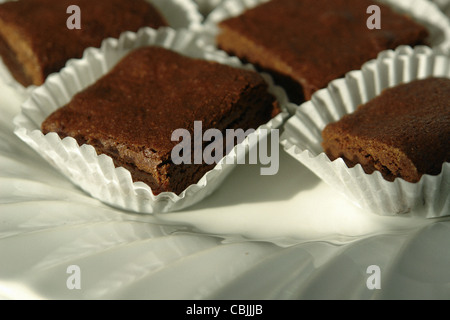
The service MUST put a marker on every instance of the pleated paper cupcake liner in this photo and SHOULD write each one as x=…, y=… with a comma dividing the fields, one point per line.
x=97, y=175
x=206, y=6
x=423, y=11
x=430, y=197
x=180, y=14
x=444, y=5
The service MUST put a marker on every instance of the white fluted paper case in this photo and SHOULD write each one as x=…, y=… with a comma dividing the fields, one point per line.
x=96, y=174
x=180, y=14
x=430, y=197
x=206, y=6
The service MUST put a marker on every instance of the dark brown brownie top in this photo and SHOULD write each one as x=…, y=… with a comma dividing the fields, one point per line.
x=316, y=41
x=413, y=118
x=134, y=109
x=42, y=23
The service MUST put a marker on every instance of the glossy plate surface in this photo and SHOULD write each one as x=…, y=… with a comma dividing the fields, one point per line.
x=287, y=236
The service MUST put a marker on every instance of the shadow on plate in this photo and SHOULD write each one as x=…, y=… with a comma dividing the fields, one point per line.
x=246, y=185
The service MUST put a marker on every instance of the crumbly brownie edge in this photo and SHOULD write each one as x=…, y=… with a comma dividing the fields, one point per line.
x=16, y=53
x=371, y=155
x=257, y=106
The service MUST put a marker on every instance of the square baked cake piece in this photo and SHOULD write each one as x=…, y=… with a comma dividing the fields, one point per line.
x=403, y=133
x=35, y=40
x=131, y=112
x=305, y=44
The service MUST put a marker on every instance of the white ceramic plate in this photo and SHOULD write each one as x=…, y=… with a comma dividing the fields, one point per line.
x=257, y=237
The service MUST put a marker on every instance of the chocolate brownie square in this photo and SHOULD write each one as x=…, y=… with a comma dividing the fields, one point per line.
x=131, y=112
x=35, y=40
x=403, y=133
x=305, y=44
